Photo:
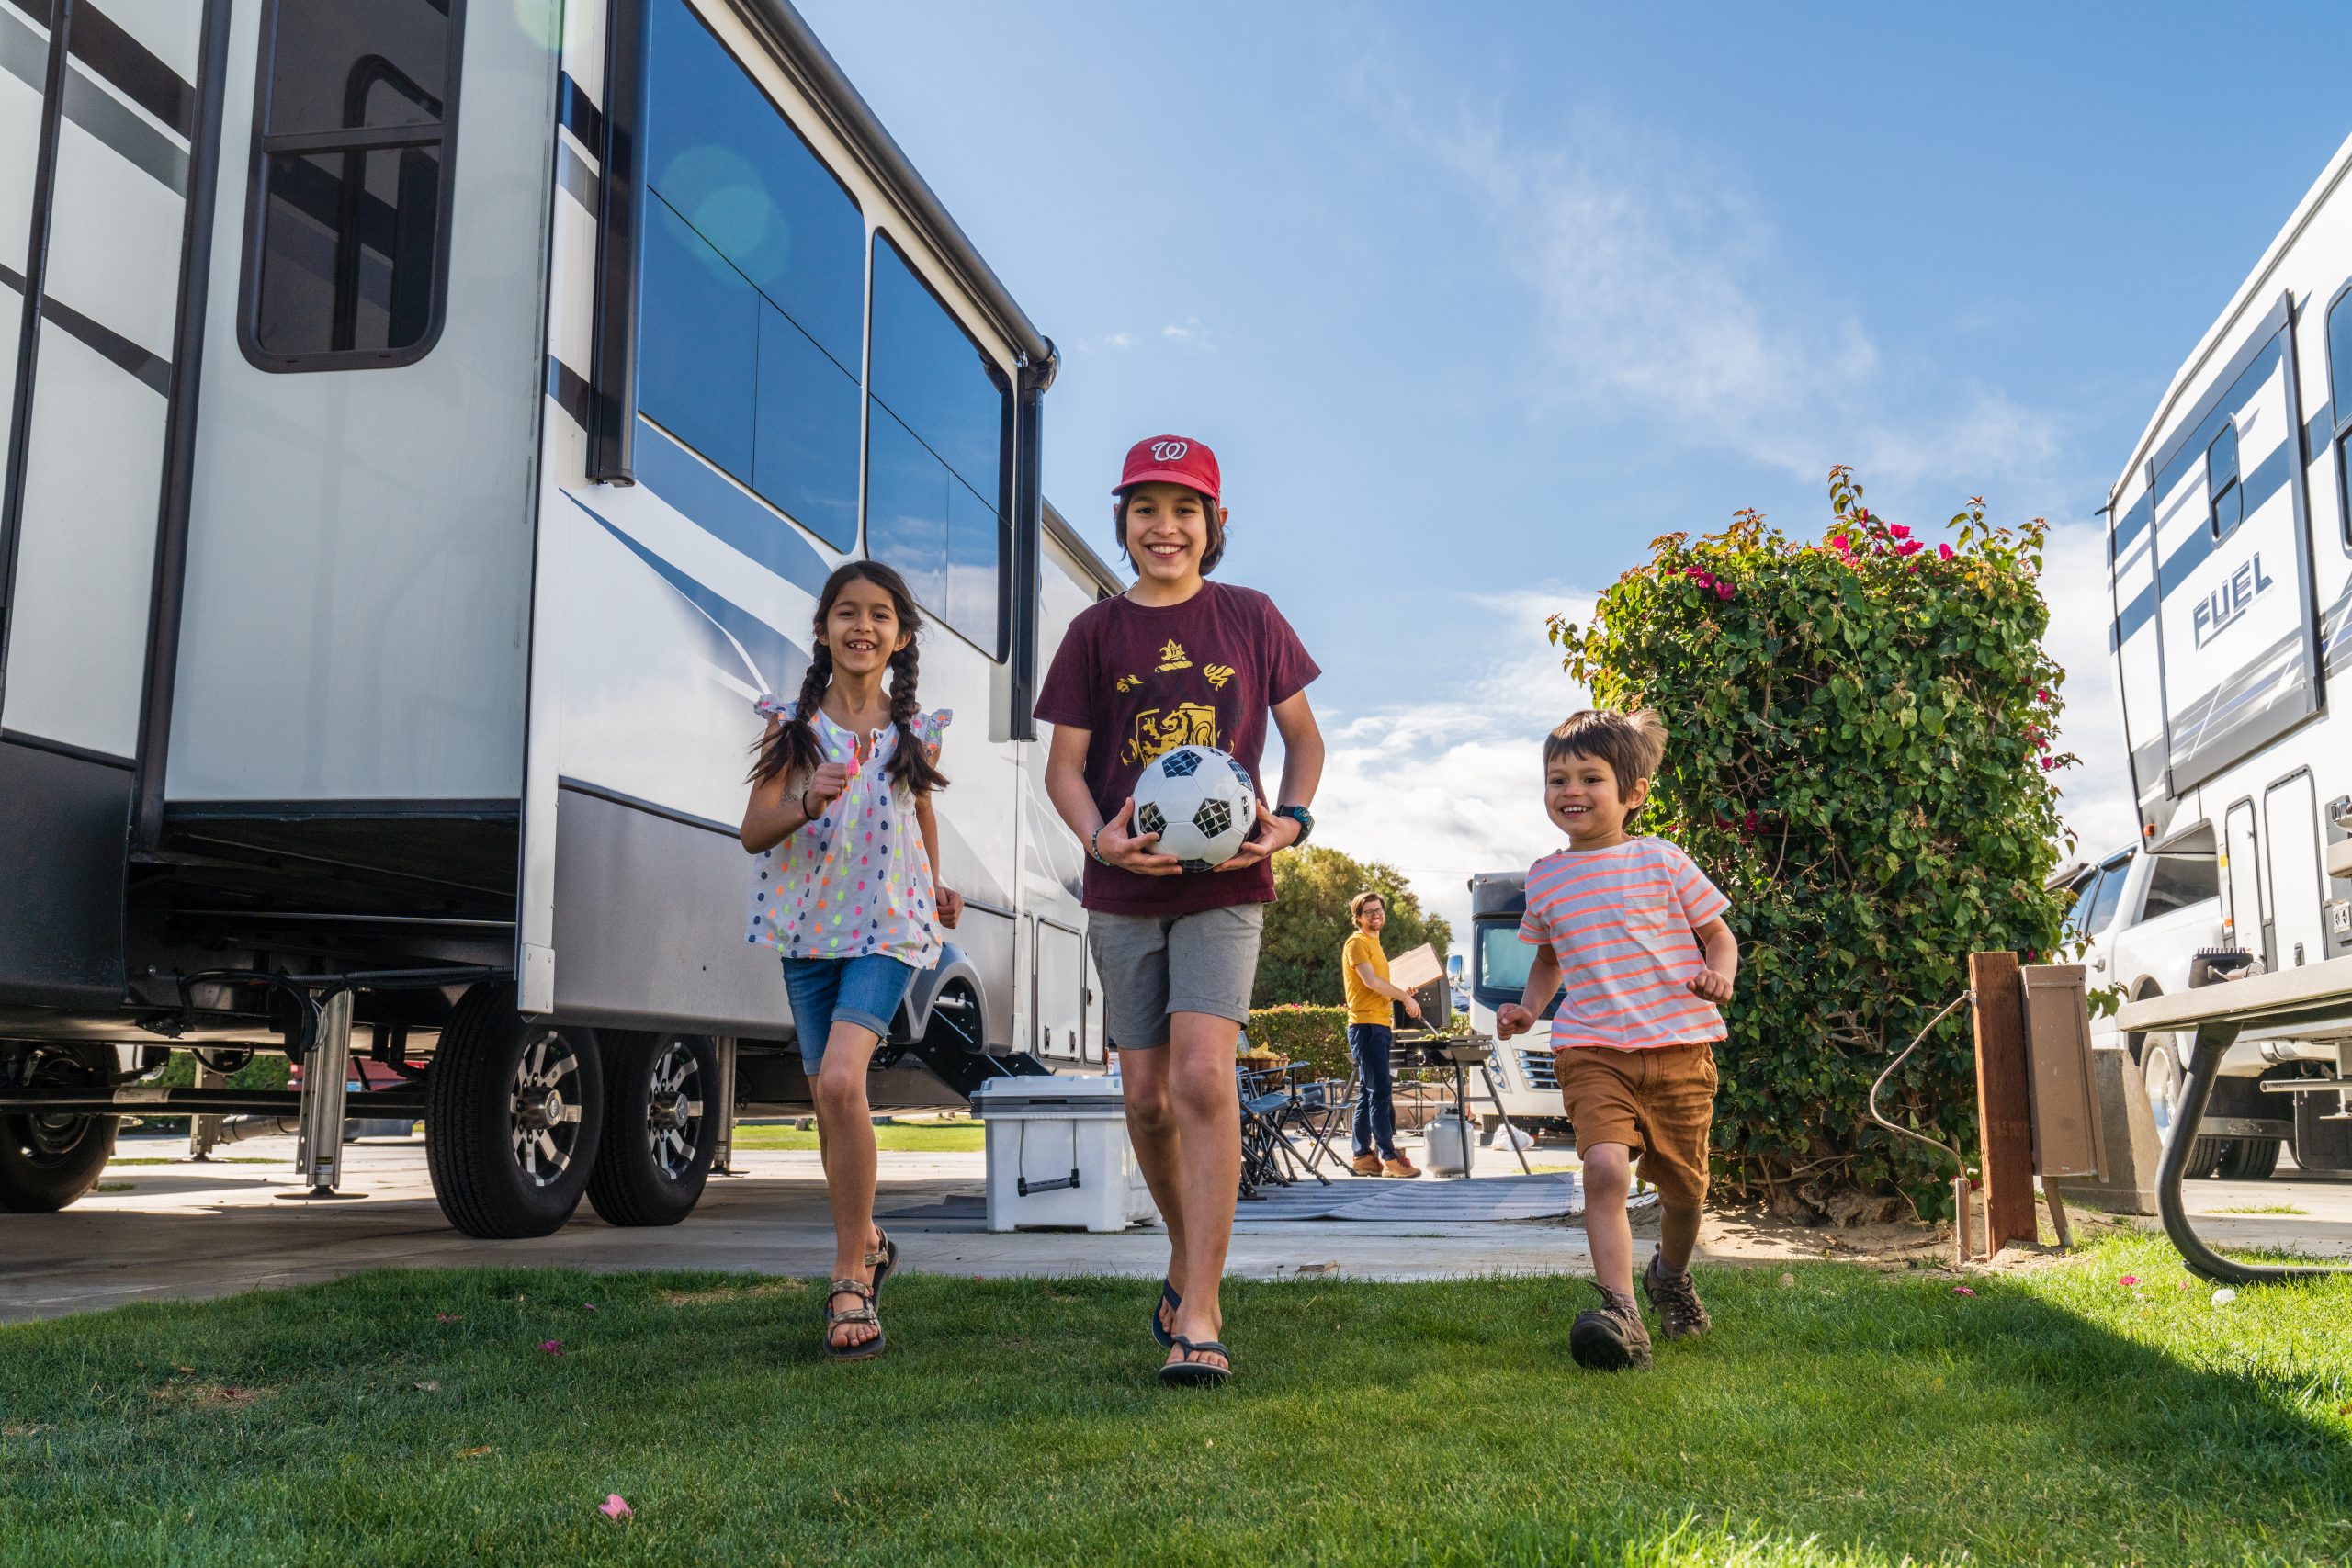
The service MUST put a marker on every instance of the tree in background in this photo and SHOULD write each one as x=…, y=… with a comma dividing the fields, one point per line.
x=1298, y=959
x=1859, y=754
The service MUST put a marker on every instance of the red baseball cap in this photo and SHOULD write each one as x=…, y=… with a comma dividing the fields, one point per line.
x=1175, y=459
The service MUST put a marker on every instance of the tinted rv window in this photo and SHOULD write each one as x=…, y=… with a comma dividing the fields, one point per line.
x=750, y=318
x=349, y=208
x=2339, y=393
x=937, y=462
x=2085, y=890
x=2222, y=479
x=2180, y=881
x=2110, y=893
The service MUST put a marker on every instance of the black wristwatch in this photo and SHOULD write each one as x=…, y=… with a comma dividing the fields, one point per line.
x=1302, y=817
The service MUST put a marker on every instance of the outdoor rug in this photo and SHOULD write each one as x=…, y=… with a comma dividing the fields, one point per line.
x=1428, y=1200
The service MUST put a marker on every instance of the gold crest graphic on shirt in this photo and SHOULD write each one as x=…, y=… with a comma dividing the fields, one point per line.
x=1172, y=656
x=1156, y=732
x=1217, y=674
x=1128, y=682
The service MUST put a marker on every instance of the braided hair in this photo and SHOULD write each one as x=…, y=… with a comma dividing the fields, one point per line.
x=793, y=746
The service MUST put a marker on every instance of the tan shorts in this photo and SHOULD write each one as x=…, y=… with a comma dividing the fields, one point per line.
x=1660, y=1103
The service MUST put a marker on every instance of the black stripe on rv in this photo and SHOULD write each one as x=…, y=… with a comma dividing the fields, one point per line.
x=576, y=114
x=88, y=106
x=569, y=389
x=100, y=339
x=133, y=69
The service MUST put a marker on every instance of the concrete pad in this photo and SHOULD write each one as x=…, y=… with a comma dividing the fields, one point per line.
x=185, y=1230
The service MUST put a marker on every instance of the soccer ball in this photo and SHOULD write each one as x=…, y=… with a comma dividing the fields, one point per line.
x=1200, y=803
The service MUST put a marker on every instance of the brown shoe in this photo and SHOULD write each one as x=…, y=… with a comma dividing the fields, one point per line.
x=1367, y=1165
x=1610, y=1337
x=1400, y=1166
x=1680, y=1315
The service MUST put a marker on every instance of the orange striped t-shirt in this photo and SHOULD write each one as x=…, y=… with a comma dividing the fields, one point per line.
x=1621, y=922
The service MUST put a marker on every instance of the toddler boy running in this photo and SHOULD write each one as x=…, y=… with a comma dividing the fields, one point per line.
x=1620, y=921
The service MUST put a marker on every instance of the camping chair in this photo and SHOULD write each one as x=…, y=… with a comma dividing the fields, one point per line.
x=1262, y=1144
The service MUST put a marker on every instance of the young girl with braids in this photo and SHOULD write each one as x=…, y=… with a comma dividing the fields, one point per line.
x=846, y=887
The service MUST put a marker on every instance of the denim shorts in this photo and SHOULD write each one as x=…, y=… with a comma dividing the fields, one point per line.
x=865, y=991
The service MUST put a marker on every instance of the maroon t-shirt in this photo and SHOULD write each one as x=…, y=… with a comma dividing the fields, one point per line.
x=1142, y=680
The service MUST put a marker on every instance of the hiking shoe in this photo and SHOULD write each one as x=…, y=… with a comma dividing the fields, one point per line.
x=1400, y=1166
x=1610, y=1337
x=1367, y=1165
x=1680, y=1315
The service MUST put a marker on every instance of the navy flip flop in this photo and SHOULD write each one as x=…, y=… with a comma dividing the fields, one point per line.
x=1172, y=1301
x=1196, y=1374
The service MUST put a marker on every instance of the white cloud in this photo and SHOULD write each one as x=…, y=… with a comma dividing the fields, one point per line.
x=1189, y=335
x=1442, y=789
x=1663, y=295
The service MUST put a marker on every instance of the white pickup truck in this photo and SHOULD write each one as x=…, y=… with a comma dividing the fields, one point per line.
x=2142, y=917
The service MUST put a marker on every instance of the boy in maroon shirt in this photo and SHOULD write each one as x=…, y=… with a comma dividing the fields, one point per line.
x=1178, y=661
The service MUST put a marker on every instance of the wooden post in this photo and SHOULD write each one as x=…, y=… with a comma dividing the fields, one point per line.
x=2004, y=1111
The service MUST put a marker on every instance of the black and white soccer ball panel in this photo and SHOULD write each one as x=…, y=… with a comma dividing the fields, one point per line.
x=1200, y=803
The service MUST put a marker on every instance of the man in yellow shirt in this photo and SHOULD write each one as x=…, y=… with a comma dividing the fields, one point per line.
x=1364, y=969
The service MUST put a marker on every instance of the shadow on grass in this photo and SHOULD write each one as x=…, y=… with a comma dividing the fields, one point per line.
x=1844, y=1417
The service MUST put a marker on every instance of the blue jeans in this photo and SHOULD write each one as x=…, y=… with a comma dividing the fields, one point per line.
x=1375, y=1110
x=865, y=991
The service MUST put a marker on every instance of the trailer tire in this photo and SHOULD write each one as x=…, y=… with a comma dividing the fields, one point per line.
x=513, y=1113
x=46, y=1162
x=2250, y=1160
x=661, y=1127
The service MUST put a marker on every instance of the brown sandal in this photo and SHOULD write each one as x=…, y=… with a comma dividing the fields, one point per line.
x=863, y=1313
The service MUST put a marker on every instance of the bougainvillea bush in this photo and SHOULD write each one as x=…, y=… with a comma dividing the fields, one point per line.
x=1859, y=754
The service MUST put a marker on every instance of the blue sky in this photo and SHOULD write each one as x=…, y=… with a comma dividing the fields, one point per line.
x=1475, y=300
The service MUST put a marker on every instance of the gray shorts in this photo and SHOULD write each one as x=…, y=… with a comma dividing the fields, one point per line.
x=1152, y=965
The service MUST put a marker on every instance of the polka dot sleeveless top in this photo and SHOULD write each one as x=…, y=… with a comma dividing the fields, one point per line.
x=856, y=881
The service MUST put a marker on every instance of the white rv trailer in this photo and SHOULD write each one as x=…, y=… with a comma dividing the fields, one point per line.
x=428, y=423
x=2230, y=544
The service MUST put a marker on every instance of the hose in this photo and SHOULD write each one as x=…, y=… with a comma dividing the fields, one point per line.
x=1945, y=1149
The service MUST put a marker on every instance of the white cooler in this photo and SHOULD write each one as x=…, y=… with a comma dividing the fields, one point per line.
x=1059, y=1156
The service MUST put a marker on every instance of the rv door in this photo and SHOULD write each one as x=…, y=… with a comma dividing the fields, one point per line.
x=2291, y=871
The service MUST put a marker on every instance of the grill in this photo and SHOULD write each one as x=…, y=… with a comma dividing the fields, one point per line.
x=1535, y=1068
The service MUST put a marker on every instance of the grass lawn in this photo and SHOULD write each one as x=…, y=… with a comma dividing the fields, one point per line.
x=1844, y=1417
x=922, y=1138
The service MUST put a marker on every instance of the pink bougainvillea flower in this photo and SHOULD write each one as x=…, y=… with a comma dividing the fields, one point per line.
x=613, y=1506
x=2128, y=1279
x=1838, y=542
x=1961, y=1291
x=1944, y=552
x=552, y=1347
x=2040, y=696
x=1723, y=590
x=1900, y=530
x=1909, y=548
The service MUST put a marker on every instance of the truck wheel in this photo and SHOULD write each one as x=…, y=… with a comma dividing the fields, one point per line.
x=2250, y=1160
x=46, y=1162
x=2160, y=1070
x=661, y=1127
x=514, y=1111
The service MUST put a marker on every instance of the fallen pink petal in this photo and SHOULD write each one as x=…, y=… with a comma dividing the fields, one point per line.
x=614, y=1507
x=552, y=1347
x=1961, y=1291
x=2128, y=1279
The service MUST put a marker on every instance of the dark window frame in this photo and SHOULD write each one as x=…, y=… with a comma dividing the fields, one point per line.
x=2339, y=413
x=2234, y=489
x=1000, y=652
x=747, y=477
x=352, y=142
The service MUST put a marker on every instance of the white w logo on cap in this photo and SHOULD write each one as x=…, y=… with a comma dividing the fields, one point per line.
x=1169, y=451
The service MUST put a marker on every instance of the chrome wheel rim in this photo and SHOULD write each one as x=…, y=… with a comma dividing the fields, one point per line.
x=544, y=1110
x=673, y=1110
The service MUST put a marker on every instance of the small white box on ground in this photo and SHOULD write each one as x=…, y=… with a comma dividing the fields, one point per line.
x=1059, y=1156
